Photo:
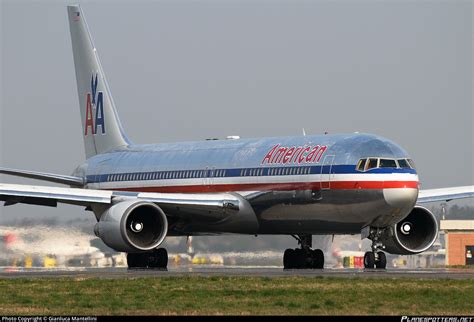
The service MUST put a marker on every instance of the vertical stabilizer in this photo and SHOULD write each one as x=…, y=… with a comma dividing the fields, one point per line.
x=101, y=128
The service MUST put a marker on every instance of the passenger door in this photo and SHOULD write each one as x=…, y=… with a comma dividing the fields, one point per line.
x=326, y=172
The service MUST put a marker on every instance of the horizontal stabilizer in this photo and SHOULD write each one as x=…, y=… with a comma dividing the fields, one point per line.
x=51, y=177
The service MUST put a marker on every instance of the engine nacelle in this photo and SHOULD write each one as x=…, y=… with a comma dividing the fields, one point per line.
x=132, y=226
x=414, y=234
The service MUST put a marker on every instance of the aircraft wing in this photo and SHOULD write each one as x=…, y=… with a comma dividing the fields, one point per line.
x=50, y=196
x=174, y=204
x=57, y=178
x=445, y=194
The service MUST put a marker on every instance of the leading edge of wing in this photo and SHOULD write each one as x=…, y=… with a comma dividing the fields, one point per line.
x=445, y=194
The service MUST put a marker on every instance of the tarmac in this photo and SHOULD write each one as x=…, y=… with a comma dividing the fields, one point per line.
x=236, y=271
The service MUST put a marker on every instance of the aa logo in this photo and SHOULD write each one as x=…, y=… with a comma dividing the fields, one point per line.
x=94, y=103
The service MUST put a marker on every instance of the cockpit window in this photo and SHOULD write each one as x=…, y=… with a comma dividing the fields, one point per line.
x=412, y=164
x=361, y=164
x=403, y=163
x=388, y=163
x=372, y=164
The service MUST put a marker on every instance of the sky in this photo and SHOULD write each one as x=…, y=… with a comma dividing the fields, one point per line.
x=191, y=70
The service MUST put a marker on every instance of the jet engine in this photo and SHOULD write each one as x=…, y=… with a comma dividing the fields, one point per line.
x=132, y=226
x=412, y=235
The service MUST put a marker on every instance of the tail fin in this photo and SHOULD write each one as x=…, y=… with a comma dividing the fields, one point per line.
x=101, y=126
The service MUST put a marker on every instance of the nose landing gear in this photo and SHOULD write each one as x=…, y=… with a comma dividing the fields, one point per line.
x=304, y=257
x=375, y=258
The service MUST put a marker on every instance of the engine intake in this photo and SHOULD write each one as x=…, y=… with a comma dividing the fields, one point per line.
x=414, y=234
x=132, y=226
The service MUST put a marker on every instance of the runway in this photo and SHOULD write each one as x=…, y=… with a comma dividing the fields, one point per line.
x=236, y=271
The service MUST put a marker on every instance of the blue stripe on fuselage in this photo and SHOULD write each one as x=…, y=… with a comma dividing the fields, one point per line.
x=237, y=172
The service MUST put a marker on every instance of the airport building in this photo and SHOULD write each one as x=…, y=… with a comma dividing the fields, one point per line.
x=459, y=237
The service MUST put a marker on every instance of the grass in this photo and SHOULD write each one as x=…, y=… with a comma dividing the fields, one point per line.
x=235, y=295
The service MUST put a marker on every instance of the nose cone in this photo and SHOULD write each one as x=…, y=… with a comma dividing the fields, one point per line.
x=401, y=198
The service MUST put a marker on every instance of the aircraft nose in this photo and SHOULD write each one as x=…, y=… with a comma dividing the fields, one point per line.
x=400, y=197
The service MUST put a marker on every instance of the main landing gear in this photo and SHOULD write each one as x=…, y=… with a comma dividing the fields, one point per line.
x=375, y=258
x=303, y=257
x=157, y=259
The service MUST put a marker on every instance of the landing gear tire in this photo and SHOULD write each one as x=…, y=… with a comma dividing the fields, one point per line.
x=288, y=258
x=157, y=258
x=369, y=260
x=381, y=261
x=301, y=259
x=317, y=259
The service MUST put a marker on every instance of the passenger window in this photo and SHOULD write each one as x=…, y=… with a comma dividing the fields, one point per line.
x=388, y=163
x=372, y=164
x=403, y=164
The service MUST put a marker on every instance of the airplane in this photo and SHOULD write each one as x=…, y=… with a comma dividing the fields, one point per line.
x=301, y=186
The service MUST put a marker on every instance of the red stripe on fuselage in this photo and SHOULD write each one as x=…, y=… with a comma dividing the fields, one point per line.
x=334, y=185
